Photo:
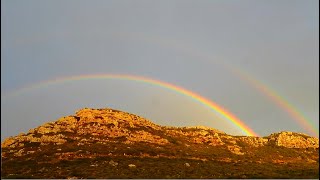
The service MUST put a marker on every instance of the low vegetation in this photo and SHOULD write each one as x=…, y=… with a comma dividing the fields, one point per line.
x=106, y=143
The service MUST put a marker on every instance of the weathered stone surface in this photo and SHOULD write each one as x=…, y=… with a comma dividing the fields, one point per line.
x=94, y=122
x=112, y=163
x=132, y=165
x=143, y=136
x=293, y=140
x=254, y=141
x=92, y=137
x=19, y=153
x=104, y=125
x=235, y=149
x=212, y=140
x=8, y=142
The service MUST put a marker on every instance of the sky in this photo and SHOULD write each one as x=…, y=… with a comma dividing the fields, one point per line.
x=256, y=59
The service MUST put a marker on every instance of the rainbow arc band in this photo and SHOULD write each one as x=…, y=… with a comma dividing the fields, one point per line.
x=278, y=99
x=213, y=106
x=185, y=48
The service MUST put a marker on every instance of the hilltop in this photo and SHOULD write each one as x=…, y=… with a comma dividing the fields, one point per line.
x=108, y=143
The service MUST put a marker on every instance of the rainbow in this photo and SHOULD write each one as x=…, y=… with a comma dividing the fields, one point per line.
x=185, y=48
x=260, y=86
x=213, y=106
x=274, y=96
x=281, y=101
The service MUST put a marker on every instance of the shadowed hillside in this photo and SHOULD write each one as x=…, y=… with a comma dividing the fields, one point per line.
x=107, y=143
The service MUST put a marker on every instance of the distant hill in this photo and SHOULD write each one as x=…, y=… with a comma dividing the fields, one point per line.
x=108, y=143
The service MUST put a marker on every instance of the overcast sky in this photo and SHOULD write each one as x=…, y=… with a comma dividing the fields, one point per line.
x=191, y=44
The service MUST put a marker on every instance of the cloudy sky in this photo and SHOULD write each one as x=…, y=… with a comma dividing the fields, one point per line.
x=257, y=59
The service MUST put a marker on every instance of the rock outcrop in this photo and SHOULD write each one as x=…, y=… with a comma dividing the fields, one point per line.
x=109, y=141
x=105, y=125
x=293, y=140
x=97, y=123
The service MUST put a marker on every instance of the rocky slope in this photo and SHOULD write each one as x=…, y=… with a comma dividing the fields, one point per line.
x=107, y=143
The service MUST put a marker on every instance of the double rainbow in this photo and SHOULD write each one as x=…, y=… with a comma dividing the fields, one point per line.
x=185, y=48
x=213, y=106
x=279, y=100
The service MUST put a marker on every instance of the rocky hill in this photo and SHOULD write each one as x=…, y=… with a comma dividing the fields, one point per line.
x=107, y=143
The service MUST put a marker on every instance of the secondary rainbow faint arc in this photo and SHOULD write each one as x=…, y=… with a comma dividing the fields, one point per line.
x=213, y=106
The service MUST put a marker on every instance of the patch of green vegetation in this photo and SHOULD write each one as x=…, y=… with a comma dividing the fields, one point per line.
x=148, y=167
x=67, y=134
x=31, y=144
